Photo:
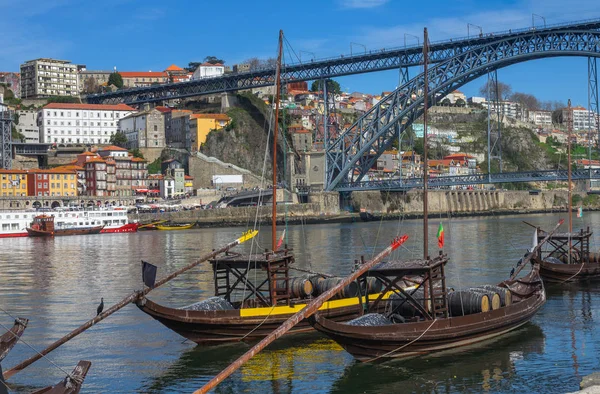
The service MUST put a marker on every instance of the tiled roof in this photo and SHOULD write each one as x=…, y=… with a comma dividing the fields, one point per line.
x=95, y=160
x=95, y=107
x=138, y=159
x=3, y=171
x=188, y=177
x=173, y=67
x=163, y=109
x=113, y=148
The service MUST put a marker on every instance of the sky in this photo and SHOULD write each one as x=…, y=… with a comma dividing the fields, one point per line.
x=142, y=35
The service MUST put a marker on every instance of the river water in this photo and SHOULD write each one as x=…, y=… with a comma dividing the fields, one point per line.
x=57, y=284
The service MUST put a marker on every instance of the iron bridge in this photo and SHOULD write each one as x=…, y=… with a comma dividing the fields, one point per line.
x=470, y=180
x=371, y=61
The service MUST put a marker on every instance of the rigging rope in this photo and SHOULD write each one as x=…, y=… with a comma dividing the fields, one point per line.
x=32, y=348
x=405, y=345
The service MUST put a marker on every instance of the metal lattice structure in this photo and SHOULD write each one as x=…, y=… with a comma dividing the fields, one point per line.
x=6, y=119
x=378, y=60
x=356, y=151
x=495, y=149
x=473, y=179
x=593, y=99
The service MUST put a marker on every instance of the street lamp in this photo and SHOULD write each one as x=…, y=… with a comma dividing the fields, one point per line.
x=478, y=27
x=411, y=35
x=300, y=55
x=355, y=43
x=533, y=20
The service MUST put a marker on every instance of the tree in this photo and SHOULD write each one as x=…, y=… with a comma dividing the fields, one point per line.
x=214, y=60
x=332, y=86
x=115, y=79
x=90, y=85
x=446, y=102
x=256, y=63
x=460, y=103
x=62, y=99
x=529, y=101
x=118, y=139
x=557, y=116
x=136, y=153
x=504, y=91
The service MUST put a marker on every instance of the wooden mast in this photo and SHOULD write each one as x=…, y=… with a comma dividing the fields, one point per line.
x=569, y=198
x=276, y=131
x=425, y=165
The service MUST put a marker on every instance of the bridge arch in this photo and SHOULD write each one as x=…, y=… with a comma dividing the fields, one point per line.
x=354, y=152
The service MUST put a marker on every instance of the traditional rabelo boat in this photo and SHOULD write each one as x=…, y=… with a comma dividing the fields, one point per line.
x=174, y=226
x=568, y=258
x=244, y=308
x=429, y=317
x=43, y=226
x=151, y=226
x=72, y=383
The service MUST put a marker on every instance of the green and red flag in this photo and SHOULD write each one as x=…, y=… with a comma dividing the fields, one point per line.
x=440, y=235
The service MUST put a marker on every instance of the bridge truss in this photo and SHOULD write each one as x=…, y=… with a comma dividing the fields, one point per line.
x=353, y=154
x=371, y=61
x=6, y=119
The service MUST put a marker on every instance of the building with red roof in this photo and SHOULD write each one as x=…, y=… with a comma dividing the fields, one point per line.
x=67, y=123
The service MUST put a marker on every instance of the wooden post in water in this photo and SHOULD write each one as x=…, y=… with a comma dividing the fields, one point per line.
x=308, y=310
x=125, y=301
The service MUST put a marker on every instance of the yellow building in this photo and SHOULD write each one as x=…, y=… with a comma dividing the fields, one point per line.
x=13, y=183
x=202, y=124
x=63, y=182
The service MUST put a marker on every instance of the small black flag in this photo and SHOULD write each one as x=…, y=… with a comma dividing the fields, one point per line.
x=148, y=274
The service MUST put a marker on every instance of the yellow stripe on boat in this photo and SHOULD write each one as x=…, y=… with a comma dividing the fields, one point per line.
x=246, y=235
x=284, y=309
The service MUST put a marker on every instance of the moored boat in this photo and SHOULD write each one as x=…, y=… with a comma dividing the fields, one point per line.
x=432, y=320
x=43, y=226
x=72, y=383
x=245, y=309
x=11, y=337
x=174, y=226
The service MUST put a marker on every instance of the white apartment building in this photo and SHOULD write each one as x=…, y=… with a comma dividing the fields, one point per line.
x=48, y=77
x=582, y=118
x=80, y=123
x=540, y=118
x=506, y=108
x=28, y=125
x=207, y=70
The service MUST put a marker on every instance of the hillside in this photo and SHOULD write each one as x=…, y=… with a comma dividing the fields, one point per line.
x=244, y=143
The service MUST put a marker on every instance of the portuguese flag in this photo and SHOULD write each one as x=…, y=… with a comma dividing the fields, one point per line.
x=440, y=236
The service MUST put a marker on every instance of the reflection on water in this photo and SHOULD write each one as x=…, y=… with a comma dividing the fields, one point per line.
x=58, y=283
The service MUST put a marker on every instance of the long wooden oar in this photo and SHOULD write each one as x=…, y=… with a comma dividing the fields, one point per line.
x=534, y=251
x=308, y=310
x=127, y=300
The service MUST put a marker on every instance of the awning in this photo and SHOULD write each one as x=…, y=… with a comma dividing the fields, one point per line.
x=154, y=191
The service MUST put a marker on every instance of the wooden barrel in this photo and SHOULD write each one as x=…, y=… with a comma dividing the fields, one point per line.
x=504, y=293
x=314, y=280
x=465, y=302
x=373, y=286
x=348, y=291
x=494, y=297
x=299, y=287
x=401, y=307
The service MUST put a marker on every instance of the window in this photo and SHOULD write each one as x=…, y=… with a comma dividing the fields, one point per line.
x=155, y=127
x=39, y=185
x=62, y=114
x=77, y=114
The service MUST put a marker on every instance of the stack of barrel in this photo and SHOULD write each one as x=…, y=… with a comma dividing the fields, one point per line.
x=314, y=285
x=477, y=299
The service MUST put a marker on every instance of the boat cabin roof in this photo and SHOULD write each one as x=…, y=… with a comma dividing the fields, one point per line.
x=255, y=261
x=566, y=236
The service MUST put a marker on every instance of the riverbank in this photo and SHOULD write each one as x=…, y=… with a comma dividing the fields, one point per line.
x=375, y=206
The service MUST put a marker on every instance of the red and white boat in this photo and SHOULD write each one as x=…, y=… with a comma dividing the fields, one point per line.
x=114, y=220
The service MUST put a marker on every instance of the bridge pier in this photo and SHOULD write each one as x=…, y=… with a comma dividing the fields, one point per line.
x=228, y=100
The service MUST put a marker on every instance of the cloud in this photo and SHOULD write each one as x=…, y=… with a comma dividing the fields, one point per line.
x=361, y=3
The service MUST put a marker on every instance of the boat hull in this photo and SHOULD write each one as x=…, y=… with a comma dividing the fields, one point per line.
x=39, y=233
x=412, y=339
x=182, y=227
x=79, y=231
x=555, y=272
x=221, y=326
x=127, y=228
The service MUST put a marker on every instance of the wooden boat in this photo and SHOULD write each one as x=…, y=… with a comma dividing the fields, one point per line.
x=150, y=226
x=72, y=383
x=11, y=337
x=435, y=321
x=174, y=226
x=558, y=265
x=43, y=226
x=243, y=309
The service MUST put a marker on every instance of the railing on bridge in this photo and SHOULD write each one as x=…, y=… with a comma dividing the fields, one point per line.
x=473, y=179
